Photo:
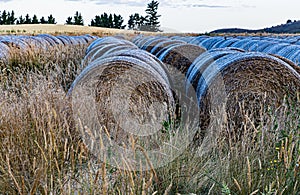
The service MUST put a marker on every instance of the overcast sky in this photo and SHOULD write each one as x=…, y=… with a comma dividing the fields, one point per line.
x=180, y=15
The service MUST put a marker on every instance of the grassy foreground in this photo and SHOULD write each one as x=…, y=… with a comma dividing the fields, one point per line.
x=41, y=151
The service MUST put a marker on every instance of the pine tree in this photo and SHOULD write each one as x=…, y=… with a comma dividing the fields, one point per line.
x=43, y=21
x=27, y=19
x=104, y=21
x=21, y=20
x=131, y=22
x=96, y=21
x=78, y=19
x=12, y=18
x=137, y=22
x=152, y=16
x=4, y=17
x=51, y=19
x=69, y=20
x=35, y=19
x=110, y=22
x=118, y=21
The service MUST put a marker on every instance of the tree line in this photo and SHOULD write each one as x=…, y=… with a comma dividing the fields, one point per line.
x=149, y=22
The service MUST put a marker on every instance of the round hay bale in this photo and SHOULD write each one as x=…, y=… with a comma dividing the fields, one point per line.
x=15, y=43
x=107, y=40
x=148, y=45
x=246, y=46
x=163, y=45
x=139, y=42
x=254, y=80
x=136, y=39
x=261, y=46
x=240, y=43
x=181, y=56
x=64, y=40
x=153, y=43
x=148, y=58
x=210, y=42
x=288, y=51
x=295, y=57
x=51, y=39
x=274, y=49
x=88, y=38
x=79, y=40
x=198, y=40
x=225, y=43
x=126, y=92
x=182, y=38
x=97, y=51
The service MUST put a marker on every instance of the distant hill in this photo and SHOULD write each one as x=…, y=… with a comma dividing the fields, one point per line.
x=289, y=27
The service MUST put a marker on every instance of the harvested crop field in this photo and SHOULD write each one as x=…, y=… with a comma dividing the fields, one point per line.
x=85, y=113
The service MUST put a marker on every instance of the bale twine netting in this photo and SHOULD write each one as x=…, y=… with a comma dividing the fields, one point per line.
x=247, y=83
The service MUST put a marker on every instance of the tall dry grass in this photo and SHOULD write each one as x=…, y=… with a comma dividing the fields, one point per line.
x=41, y=151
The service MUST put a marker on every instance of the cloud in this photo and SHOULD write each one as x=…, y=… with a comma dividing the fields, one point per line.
x=163, y=3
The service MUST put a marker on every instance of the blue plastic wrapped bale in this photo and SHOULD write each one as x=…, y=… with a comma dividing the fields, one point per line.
x=137, y=38
x=98, y=52
x=103, y=51
x=255, y=80
x=51, y=39
x=88, y=38
x=295, y=57
x=143, y=40
x=182, y=38
x=107, y=40
x=80, y=40
x=274, y=49
x=15, y=43
x=225, y=43
x=64, y=40
x=198, y=40
x=161, y=46
x=148, y=58
x=261, y=46
x=148, y=45
x=241, y=43
x=36, y=43
x=288, y=51
x=181, y=56
x=210, y=42
x=246, y=46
